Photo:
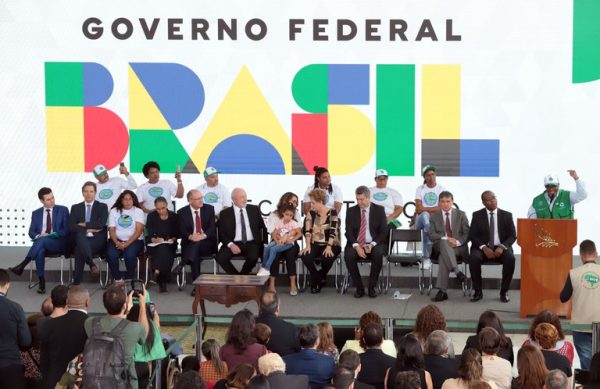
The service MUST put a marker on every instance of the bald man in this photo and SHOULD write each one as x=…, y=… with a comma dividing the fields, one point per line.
x=241, y=230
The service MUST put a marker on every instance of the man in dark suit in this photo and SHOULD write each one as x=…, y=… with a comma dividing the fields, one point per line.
x=198, y=232
x=318, y=367
x=63, y=338
x=437, y=362
x=284, y=335
x=88, y=228
x=366, y=235
x=350, y=360
x=49, y=230
x=449, y=233
x=374, y=362
x=241, y=230
x=492, y=235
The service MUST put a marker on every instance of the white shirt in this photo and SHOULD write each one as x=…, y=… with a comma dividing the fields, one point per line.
x=218, y=196
x=125, y=222
x=337, y=195
x=44, y=216
x=429, y=196
x=580, y=194
x=148, y=192
x=387, y=197
x=107, y=192
x=238, y=225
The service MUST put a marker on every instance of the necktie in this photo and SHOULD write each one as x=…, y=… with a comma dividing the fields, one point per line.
x=198, y=222
x=243, y=220
x=48, y=222
x=448, y=228
x=362, y=232
x=88, y=213
x=492, y=231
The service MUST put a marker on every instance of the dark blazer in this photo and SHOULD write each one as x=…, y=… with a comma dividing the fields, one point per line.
x=479, y=233
x=318, y=367
x=187, y=223
x=377, y=224
x=14, y=332
x=98, y=218
x=441, y=369
x=279, y=379
x=61, y=340
x=227, y=225
x=284, y=335
x=60, y=221
x=374, y=364
x=459, y=222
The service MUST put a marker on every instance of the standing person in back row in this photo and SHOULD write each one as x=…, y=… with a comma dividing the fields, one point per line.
x=109, y=188
x=334, y=198
x=387, y=197
x=155, y=187
x=426, y=200
x=556, y=203
x=214, y=193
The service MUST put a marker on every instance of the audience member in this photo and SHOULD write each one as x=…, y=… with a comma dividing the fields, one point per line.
x=351, y=360
x=190, y=363
x=531, y=368
x=262, y=333
x=214, y=193
x=241, y=346
x=155, y=187
x=563, y=347
x=58, y=296
x=284, y=335
x=63, y=338
x=437, y=361
x=343, y=378
x=429, y=319
x=407, y=380
x=326, y=341
x=212, y=369
x=594, y=377
x=410, y=358
x=495, y=369
x=581, y=286
x=322, y=239
x=31, y=355
x=241, y=229
x=272, y=366
x=189, y=380
x=318, y=367
x=14, y=333
x=237, y=378
x=374, y=362
x=258, y=382
x=49, y=230
x=556, y=379
x=357, y=344
x=546, y=335
x=125, y=229
x=469, y=371
x=162, y=231
x=110, y=188
x=490, y=319
x=334, y=198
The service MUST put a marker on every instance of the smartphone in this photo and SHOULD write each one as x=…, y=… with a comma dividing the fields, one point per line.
x=138, y=287
x=151, y=308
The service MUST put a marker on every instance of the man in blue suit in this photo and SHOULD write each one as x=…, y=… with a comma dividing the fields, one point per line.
x=49, y=231
x=318, y=367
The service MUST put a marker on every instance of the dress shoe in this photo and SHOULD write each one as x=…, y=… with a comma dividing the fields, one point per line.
x=315, y=289
x=460, y=276
x=478, y=295
x=440, y=296
x=504, y=297
x=42, y=286
x=360, y=292
x=372, y=292
x=18, y=270
x=94, y=272
x=163, y=287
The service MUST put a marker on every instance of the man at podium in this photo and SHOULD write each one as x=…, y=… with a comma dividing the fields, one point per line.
x=556, y=203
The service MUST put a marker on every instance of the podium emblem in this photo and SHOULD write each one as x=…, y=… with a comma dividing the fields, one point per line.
x=543, y=238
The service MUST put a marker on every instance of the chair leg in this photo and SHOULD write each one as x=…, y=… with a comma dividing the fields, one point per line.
x=104, y=284
x=180, y=277
x=62, y=265
x=338, y=272
x=430, y=280
x=32, y=284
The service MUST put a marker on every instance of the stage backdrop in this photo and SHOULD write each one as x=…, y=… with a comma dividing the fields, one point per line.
x=497, y=94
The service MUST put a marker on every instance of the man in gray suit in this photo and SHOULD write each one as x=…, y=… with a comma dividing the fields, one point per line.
x=449, y=233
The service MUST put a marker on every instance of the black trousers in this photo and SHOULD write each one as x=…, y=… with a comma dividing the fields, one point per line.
x=249, y=250
x=12, y=376
x=193, y=252
x=375, y=257
x=85, y=249
x=507, y=260
x=163, y=257
x=289, y=256
x=316, y=253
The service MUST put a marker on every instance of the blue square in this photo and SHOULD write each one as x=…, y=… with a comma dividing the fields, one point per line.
x=479, y=157
x=348, y=84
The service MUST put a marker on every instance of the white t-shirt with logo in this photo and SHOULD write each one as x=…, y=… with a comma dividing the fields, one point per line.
x=108, y=192
x=388, y=198
x=331, y=198
x=124, y=222
x=217, y=196
x=148, y=192
x=429, y=196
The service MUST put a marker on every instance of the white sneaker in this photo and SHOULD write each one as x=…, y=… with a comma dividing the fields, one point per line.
x=263, y=272
x=426, y=263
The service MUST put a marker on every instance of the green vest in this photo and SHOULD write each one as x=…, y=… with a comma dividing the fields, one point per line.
x=562, y=206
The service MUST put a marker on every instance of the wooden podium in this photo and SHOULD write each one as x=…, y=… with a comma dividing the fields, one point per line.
x=546, y=258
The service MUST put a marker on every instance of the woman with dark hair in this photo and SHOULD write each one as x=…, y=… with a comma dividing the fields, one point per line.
x=594, y=377
x=322, y=236
x=291, y=254
x=563, y=347
x=531, y=368
x=241, y=346
x=156, y=187
x=161, y=238
x=490, y=319
x=125, y=229
x=495, y=368
x=357, y=344
x=469, y=372
x=429, y=319
x=238, y=378
x=410, y=358
x=334, y=198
